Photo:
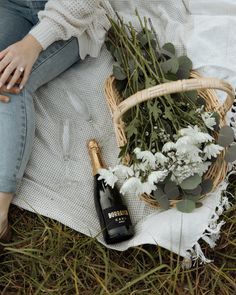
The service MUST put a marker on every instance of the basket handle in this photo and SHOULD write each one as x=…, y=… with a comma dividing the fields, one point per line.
x=175, y=87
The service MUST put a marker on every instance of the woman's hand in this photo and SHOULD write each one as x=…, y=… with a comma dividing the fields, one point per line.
x=18, y=59
x=15, y=89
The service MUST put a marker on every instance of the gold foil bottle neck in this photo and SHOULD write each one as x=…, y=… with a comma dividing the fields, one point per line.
x=92, y=144
x=95, y=156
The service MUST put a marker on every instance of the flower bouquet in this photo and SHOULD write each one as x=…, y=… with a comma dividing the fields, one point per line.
x=170, y=126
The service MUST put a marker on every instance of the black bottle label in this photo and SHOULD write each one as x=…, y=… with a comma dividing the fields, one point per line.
x=116, y=216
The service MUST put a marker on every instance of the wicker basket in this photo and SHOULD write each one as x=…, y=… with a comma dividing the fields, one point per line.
x=205, y=87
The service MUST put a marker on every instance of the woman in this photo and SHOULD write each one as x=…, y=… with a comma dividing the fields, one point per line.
x=38, y=41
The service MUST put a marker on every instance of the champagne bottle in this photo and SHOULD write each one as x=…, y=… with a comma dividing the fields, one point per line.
x=113, y=214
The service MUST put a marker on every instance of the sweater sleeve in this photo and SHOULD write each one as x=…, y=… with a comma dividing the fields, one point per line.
x=62, y=19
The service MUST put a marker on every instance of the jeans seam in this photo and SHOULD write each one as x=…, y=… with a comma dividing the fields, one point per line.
x=53, y=54
x=24, y=134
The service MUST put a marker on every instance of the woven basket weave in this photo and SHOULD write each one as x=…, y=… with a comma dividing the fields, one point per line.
x=205, y=87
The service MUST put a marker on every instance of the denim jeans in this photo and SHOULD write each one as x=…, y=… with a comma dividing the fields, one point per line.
x=17, y=117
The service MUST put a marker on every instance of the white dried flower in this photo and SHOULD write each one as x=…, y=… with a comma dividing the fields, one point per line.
x=146, y=156
x=193, y=158
x=108, y=176
x=157, y=176
x=195, y=135
x=147, y=188
x=137, y=150
x=201, y=168
x=186, y=140
x=132, y=185
x=140, y=167
x=188, y=154
x=161, y=159
x=212, y=150
x=200, y=110
x=189, y=131
x=182, y=158
x=209, y=120
x=202, y=137
x=169, y=146
x=122, y=171
x=181, y=172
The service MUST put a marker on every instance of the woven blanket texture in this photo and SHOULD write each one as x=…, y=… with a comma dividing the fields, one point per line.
x=73, y=107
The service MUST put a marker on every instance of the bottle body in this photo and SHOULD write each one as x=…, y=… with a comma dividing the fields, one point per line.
x=113, y=215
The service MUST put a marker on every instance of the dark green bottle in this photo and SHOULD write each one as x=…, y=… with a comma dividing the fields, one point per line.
x=113, y=214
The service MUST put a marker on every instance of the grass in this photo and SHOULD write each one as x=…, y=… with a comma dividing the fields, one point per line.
x=47, y=257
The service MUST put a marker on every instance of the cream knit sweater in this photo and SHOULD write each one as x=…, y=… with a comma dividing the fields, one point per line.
x=84, y=19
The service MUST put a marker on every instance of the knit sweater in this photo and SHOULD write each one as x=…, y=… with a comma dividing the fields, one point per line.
x=84, y=19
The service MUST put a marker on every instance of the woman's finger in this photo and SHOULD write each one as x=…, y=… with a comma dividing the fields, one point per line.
x=9, y=78
x=25, y=77
x=15, y=77
x=5, y=62
x=4, y=98
x=19, y=80
x=7, y=72
x=14, y=90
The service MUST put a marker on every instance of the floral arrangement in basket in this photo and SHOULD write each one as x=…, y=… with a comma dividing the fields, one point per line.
x=170, y=126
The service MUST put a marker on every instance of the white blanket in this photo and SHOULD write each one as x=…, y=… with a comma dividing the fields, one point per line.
x=64, y=190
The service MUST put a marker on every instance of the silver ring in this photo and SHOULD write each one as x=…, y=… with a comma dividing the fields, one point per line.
x=21, y=69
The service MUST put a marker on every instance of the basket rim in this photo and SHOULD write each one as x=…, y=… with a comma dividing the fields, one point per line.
x=196, y=82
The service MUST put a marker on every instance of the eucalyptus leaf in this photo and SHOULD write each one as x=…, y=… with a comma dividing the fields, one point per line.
x=171, y=190
x=171, y=77
x=191, y=182
x=110, y=47
x=226, y=136
x=185, y=66
x=230, y=155
x=161, y=198
x=199, y=205
x=117, y=55
x=195, y=192
x=170, y=66
x=168, y=177
x=193, y=198
x=169, y=47
x=153, y=43
x=119, y=73
x=217, y=119
x=207, y=185
x=160, y=186
x=193, y=95
x=143, y=39
x=186, y=206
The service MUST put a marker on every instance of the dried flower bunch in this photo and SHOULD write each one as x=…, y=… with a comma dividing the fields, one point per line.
x=171, y=140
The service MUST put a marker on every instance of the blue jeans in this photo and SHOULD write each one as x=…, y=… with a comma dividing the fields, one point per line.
x=17, y=118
